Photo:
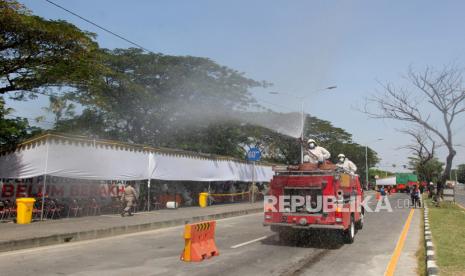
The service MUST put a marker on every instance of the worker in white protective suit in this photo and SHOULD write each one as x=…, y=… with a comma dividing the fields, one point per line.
x=315, y=154
x=347, y=165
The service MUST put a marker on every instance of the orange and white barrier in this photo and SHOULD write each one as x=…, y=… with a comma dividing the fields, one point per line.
x=199, y=241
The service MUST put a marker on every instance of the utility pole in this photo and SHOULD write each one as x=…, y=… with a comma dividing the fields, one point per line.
x=253, y=181
x=302, y=135
x=366, y=162
x=366, y=167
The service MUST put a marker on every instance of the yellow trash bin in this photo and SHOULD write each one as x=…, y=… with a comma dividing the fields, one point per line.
x=203, y=200
x=24, y=210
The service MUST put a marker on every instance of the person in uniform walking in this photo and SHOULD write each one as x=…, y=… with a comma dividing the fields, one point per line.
x=128, y=199
x=253, y=192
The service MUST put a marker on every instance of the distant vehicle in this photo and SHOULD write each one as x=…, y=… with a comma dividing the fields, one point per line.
x=405, y=180
x=343, y=217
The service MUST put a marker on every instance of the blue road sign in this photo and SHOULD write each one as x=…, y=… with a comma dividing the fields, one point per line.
x=254, y=154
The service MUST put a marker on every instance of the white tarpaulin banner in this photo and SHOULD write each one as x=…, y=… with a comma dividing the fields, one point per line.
x=99, y=163
x=386, y=181
x=95, y=161
x=24, y=163
x=170, y=167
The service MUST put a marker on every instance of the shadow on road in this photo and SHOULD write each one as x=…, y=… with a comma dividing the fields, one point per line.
x=314, y=239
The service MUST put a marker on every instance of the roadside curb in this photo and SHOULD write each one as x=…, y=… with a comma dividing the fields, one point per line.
x=113, y=231
x=431, y=267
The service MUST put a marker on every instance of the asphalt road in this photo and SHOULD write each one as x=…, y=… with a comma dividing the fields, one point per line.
x=460, y=195
x=157, y=252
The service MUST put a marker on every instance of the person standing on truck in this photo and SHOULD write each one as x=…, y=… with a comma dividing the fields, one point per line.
x=316, y=154
x=344, y=163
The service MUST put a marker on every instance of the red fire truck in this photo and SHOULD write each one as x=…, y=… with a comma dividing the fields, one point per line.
x=332, y=201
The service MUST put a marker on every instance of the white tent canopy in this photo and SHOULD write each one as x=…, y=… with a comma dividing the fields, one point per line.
x=386, y=181
x=71, y=157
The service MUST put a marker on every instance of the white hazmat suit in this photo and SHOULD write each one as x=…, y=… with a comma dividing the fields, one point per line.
x=316, y=154
x=346, y=164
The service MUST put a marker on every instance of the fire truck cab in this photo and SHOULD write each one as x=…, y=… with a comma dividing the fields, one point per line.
x=307, y=197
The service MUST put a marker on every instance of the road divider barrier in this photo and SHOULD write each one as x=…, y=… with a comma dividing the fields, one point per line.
x=431, y=266
x=199, y=239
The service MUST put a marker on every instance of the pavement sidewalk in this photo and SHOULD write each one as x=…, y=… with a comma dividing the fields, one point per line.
x=408, y=264
x=15, y=236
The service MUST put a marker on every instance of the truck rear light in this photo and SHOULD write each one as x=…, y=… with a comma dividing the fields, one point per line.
x=303, y=221
x=269, y=207
x=267, y=216
x=338, y=214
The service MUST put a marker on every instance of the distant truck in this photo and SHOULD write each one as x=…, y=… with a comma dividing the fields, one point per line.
x=342, y=213
x=405, y=180
x=401, y=182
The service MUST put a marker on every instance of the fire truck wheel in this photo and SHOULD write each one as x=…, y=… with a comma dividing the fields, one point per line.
x=349, y=234
x=361, y=221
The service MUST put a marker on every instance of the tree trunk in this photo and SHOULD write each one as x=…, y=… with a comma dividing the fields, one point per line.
x=448, y=168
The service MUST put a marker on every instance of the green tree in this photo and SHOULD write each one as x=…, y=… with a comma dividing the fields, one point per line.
x=461, y=173
x=373, y=172
x=429, y=171
x=155, y=99
x=338, y=140
x=286, y=149
x=37, y=54
x=60, y=107
x=13, y=129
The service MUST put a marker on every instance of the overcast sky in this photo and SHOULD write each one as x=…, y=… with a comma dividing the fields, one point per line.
x=299, y=46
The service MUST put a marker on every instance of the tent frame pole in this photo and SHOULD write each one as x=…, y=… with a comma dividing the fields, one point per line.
x=148, y=195
x=44, y=186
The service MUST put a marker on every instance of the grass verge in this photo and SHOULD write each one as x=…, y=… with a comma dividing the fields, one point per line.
x=447, y=224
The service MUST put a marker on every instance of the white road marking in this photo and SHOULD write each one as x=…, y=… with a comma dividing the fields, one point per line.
x=249, y=242
x=57, y=247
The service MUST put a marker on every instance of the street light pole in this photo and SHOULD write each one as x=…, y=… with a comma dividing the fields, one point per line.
x=302, y=135
x=366, y=166
x=366, y=162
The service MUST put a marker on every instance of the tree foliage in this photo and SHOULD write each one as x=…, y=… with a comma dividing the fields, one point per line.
x=338, y=140
x=161, y=100
x=132, y=96
x=429, y=171
x=36, y=54
x=461, y=173
x=13, y=129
